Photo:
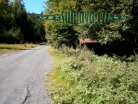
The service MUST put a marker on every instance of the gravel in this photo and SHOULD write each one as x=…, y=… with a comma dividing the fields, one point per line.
x=22, y=76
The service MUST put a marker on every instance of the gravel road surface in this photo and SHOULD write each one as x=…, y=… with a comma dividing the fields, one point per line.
x=22, y=76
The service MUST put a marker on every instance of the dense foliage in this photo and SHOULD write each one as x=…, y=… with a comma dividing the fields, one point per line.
x=80, y=76
x=16, y=25
x=85, y=78
x=117, y=37
x=58, y=33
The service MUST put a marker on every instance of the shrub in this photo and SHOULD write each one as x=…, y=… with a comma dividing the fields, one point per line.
x=92, y=79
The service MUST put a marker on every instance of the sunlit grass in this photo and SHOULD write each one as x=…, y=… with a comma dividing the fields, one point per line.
x=56, y=77
x=51, y=50
x=8, y=48
x=57, y=62
x=86, y=78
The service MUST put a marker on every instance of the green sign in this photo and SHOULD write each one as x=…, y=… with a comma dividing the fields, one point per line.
x=50, y=17
x=83, y=17
x=110, y=17
x=77, y=17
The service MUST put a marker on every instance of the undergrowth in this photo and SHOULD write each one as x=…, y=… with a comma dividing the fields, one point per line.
x=81, y=77
x=8, y=48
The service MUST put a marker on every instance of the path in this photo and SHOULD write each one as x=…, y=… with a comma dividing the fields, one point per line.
x=22, y=76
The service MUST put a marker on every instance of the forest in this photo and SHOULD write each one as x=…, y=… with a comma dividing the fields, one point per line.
x=105, y=76
x=18, y=26
x=118, y=37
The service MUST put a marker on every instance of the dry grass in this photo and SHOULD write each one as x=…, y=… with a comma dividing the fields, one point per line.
x=51, y=50
x=8, y=48
x=53, y=77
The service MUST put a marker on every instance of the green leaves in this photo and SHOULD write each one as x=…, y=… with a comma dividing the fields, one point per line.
x=86, y=78
x=17, y=25
x=112, y=32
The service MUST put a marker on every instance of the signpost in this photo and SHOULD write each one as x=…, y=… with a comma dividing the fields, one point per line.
x=115, y=17
x=55, y=17
x=83, y=17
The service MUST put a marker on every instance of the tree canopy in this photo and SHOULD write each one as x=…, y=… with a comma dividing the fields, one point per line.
x=17, y=25
x=118, y=37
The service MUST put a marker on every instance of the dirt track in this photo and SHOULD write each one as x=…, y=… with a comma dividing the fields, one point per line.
x=22, y=76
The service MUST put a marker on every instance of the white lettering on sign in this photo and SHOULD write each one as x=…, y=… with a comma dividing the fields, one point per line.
x=44, y=17
x=115, y=17
x=109, y=17
x=50, y=17
x=57, y=17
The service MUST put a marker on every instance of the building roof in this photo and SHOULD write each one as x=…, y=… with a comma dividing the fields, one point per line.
x=87, y=40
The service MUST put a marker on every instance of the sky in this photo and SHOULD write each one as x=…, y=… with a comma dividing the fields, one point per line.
x=35, y=6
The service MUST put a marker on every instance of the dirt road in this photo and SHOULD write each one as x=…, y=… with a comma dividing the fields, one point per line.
x=22, y=76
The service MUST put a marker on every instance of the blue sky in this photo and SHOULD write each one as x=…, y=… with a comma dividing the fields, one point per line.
x=35, y=6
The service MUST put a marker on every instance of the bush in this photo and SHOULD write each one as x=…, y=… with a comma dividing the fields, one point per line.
x=92, y=79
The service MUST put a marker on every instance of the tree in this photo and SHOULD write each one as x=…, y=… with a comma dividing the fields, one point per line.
x=17, y=25
x=115, y=35
x=58, y=33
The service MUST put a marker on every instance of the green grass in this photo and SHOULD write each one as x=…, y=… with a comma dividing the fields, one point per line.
x=84, y=78
x=55, y=75
x=8, y=48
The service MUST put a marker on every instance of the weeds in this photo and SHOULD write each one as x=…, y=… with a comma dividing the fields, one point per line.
x=8, y=48
x=85, y=78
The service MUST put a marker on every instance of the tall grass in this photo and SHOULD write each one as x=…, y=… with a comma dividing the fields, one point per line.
x=85, y=78
x=8, y=48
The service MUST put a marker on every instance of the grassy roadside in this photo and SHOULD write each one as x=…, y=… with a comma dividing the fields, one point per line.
x=84, y=78
x=8, y=48
x=54, y=76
